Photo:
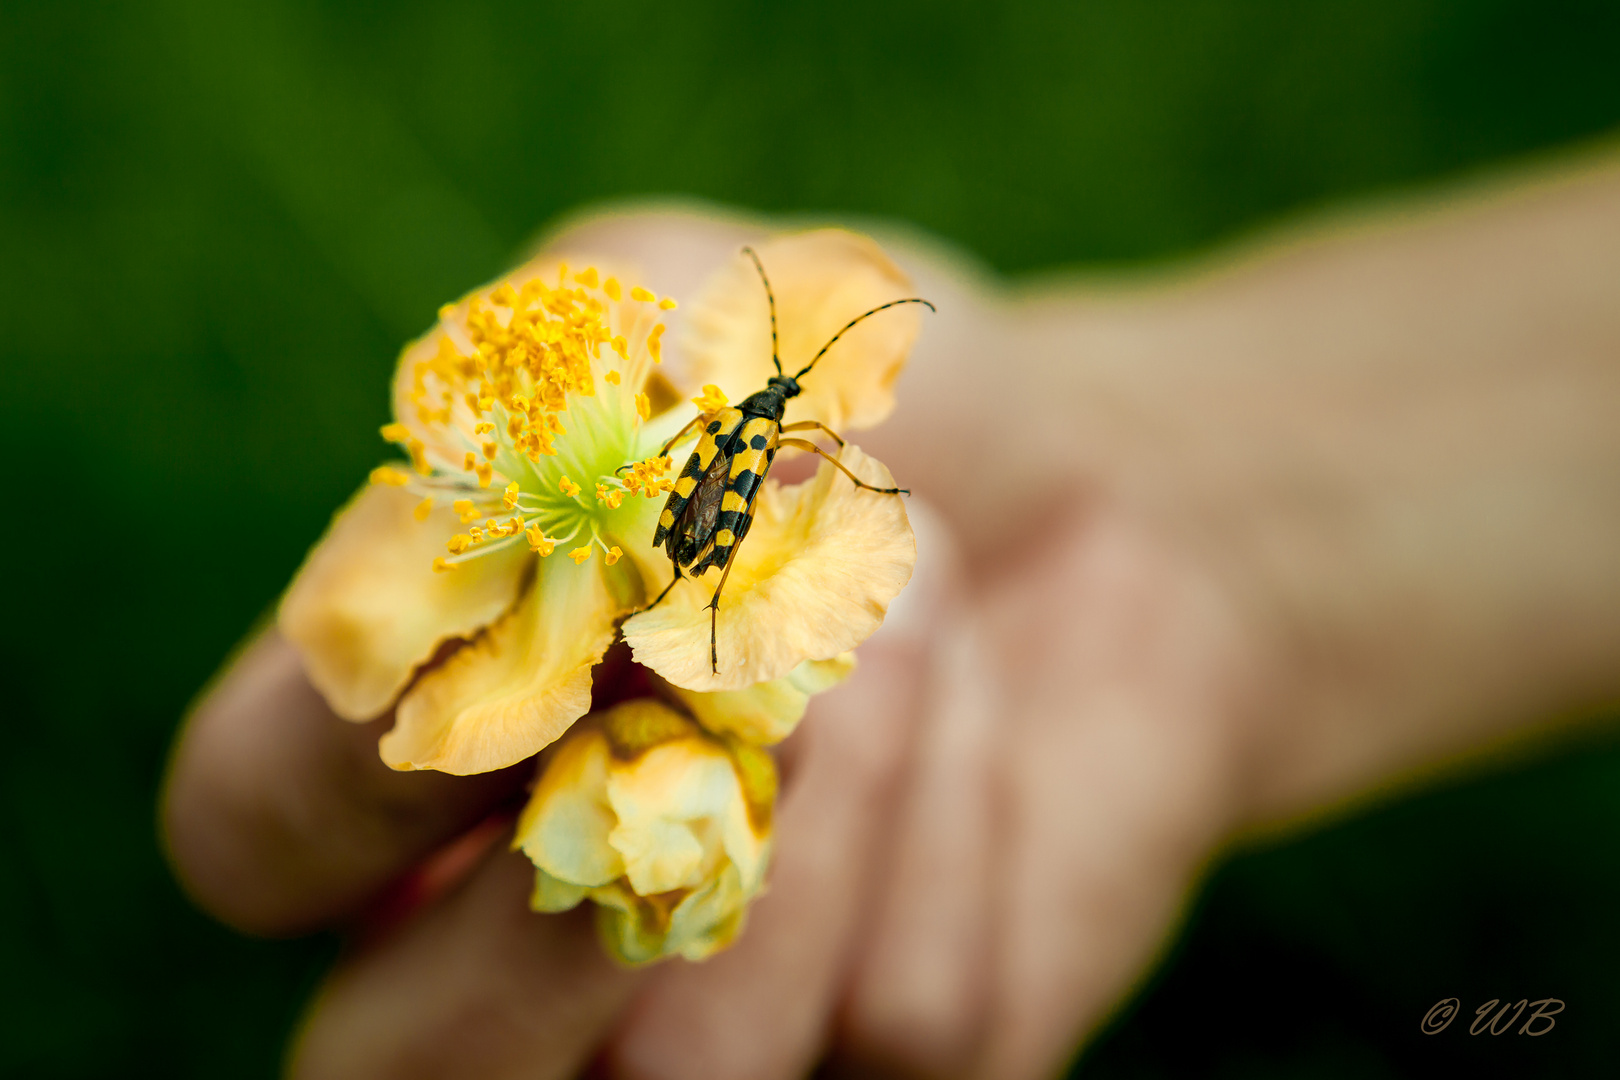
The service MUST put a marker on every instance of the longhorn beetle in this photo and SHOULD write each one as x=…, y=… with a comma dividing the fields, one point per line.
x=712, y=506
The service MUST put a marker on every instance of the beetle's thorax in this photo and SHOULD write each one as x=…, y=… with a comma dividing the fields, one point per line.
x=772, y=401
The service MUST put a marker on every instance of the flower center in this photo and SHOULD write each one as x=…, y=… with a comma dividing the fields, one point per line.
x=505, y=422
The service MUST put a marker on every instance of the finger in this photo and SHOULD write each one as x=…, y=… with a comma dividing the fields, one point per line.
x=764, y=1009
x=1117, y=783
x=279, y=817
x=478, y=987
x=916, y=1002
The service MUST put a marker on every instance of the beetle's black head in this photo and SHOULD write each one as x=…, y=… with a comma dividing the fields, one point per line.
x=785, y=383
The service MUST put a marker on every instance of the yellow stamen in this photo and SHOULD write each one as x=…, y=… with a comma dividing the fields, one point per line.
x=387, y=474
x=396, y=432
x=539, y=543
x=466, y=509
x=484, y=428
x=580, y=554
x=613, y=555
x=423, y=509
x=490, y=450
x=469, y=461
x=587, y=277
x=612, y=496
x=612, y=377
x=510, y=498
x=655, y=344
x=568, y=487
x=668, y=303
x=611, y=287
x=638, y=293
x=485, y=471
x=441, y=565
x=459, y=543
x=643, y=406
x=713, y=400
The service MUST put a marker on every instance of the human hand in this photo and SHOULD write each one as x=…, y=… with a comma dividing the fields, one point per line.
x=983, y=837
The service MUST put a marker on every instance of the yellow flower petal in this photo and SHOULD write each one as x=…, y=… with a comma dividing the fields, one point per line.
x=822, y=280
x=516, y=687
x=767, y=712
x=366, y=608
x=681, y=810
x=565, y=827
x=813, y=579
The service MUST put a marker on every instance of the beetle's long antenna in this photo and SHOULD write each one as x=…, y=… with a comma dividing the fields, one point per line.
x=772, y=298
x=852, y=322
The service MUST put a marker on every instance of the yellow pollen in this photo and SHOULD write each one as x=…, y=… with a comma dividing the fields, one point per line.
x=387, y=474
x=613, y=555
x=611, y=287
x=612, y=377
x=423, y=509
x=418, y=451
x=510, y=498
x=396, y=432
x=568, y=487
x=612, y=496
x=466, y=509
x=538, y=542
x=580, y=554
x=485, y=471
x=713, y=400
x=484, y=428
x=476, y=534
x=469, y=461
x=587, y=277
x=643, y=406
x=459, y=543
x=441, y=565
x=490, y=450
x=668, y=303
x=655, y=343
x=621, y=347
x=638, y=293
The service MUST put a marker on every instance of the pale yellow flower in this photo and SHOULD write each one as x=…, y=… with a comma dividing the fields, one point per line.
x=527, y=461
x=665, y=827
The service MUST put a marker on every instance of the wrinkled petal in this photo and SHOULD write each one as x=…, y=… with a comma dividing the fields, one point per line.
x=564, y=829
x=517, y=687
x=552, y=895
x=711, y=917
x=634, y=929
x=813, y=578
x=680, y=810
x=367, y=609
x=767, y=712
x=822, y=280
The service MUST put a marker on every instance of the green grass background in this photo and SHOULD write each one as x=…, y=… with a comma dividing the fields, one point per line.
x=219, y=222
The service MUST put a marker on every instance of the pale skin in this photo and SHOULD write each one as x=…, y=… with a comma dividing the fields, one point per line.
x=1208, y=553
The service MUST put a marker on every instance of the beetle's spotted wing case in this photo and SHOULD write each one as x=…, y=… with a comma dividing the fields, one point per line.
x=752, y=449
x=716, y=435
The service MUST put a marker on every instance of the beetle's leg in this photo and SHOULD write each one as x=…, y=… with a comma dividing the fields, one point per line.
x=668, y=587
x=806, y=444
x=806, y=425
x=681, y=434
x=714, y=612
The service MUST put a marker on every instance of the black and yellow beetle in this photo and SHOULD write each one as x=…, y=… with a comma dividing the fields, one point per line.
x=709, y=512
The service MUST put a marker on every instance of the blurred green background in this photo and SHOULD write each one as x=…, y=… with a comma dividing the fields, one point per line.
x=220, y=224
